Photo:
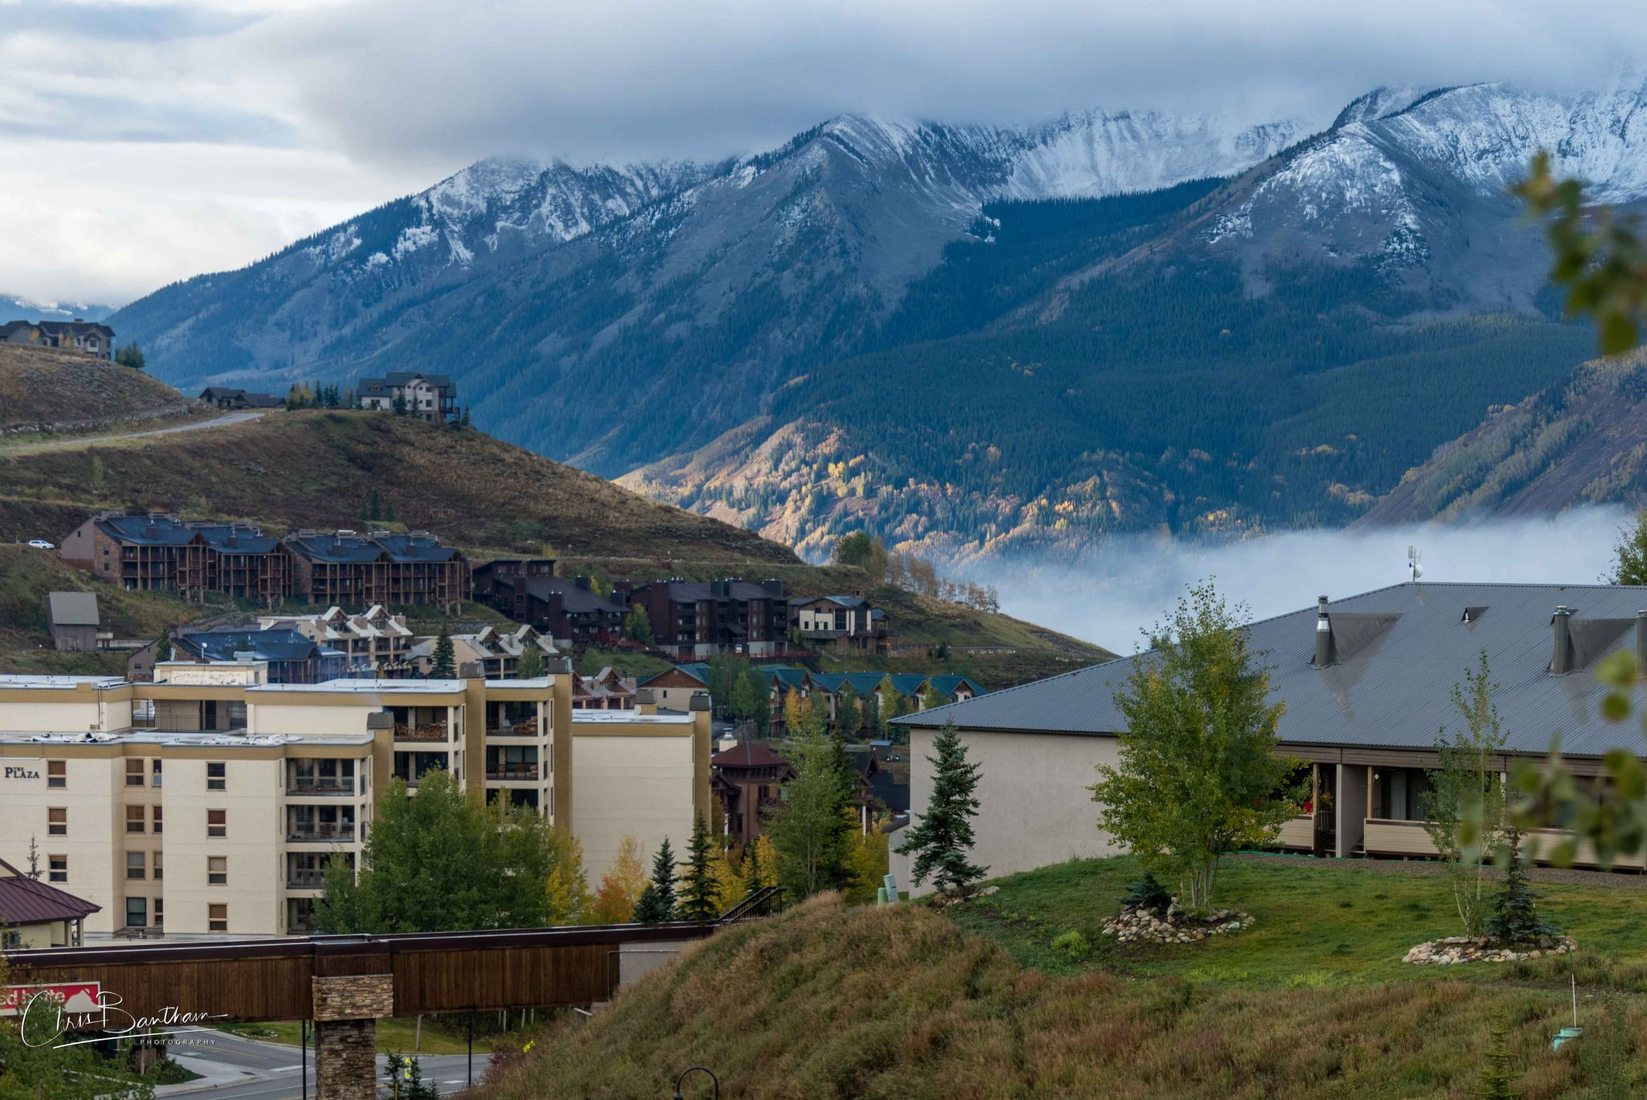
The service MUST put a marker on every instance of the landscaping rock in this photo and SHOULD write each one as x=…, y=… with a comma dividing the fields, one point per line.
x=1136, y=925
x=1453, y=950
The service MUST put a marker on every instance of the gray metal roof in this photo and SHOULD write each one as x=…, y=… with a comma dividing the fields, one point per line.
x=1401, y=650
x=73, y=608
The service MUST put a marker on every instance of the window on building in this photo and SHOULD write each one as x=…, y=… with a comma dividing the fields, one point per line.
x=57, y=868
x=217, y=918
x=154, y=772
x=137, y=912
x=154, y=818
x=134, y=772
x=217, y=776
x=159, y=911
x=217, y=823
x=217, y=870
x=159, y=872
x=137, y=865
x=11, y=938
x=57, y=773
x=134, y=819
x=57, y=821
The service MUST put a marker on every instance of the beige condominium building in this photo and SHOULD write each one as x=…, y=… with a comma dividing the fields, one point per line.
x=209, y=801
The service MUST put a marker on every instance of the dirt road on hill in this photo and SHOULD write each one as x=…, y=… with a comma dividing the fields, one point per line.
x=87, y=440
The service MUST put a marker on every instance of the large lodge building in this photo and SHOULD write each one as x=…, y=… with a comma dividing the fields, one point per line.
x=158, y=552
x=209, y=801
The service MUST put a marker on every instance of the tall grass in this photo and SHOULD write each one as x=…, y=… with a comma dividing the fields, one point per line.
x=826, y=1001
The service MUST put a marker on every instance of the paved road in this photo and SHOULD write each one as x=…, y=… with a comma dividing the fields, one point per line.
x=82, y=441
x=247, y=1069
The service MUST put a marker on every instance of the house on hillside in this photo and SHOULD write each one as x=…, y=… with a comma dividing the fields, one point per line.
x=74, y=621
x=698, y=619
x=570, y=611
x=607, y=689
x=1367, y=682
x=89, y=337
x=429, y=397
x=234, y=400
x=841, y=623
x=35, y=914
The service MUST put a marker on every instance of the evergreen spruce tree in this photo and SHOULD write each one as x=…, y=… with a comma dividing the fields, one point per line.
x=812, y=826
x=847, y=715
x=657, y=901
x=443, y=666
x=943, y=839
x=1496, y=1080
x=699, y=889
x=1515, y=918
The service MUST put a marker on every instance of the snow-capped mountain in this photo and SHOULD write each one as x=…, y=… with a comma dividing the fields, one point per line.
x=627, y=316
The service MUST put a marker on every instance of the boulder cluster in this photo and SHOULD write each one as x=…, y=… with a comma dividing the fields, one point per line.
x=1135, y=924
x=1464, y=949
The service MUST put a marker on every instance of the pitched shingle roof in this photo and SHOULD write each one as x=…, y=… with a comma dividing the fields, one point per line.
x=73, y=608
x=1401, y=651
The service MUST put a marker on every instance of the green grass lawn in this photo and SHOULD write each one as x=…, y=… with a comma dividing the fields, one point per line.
x=1319, y=924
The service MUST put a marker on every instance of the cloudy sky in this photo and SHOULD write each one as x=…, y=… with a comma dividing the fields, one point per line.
x=146, y=142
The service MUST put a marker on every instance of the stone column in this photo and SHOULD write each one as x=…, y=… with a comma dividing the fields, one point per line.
x=345, y=1015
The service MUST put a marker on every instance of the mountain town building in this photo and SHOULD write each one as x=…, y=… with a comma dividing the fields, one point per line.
x=161, y=552
x=429, y=397
x=569, y=611
x=208, y=802
x=699, y=619
x=1367, y=682
x=89, y=337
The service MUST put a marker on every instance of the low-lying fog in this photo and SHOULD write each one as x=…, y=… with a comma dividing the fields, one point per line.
x=1136, y=580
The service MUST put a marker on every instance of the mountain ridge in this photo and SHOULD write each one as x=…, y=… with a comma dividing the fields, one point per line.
x=637, y=321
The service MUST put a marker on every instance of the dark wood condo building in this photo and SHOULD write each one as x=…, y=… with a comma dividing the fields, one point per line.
x=163, y=553
x=347, y=568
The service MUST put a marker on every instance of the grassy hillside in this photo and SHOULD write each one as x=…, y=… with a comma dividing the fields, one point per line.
x=332, y=468
x=43, y=390
x=902, y=1002
x=26, y=576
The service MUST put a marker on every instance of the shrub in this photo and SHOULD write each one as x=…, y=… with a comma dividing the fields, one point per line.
x=1072, y=946
x=1147, y=894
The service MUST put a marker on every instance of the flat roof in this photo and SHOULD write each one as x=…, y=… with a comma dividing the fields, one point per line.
x=366, y=687
x=214, y=739
x=628, y=717
x=68, y=683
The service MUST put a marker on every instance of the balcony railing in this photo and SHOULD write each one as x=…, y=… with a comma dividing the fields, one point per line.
x=512, y=771
x=527, y=728
x=428, y=731
x=323, y=834
x=305, y=880
x=321, y=786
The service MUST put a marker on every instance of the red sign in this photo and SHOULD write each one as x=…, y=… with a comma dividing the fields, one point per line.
x=76, y=998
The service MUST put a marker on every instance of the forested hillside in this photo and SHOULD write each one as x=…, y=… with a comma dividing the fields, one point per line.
x=1578, y=441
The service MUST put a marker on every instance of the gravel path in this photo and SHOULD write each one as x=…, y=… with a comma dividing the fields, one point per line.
x=84, y=441
x=1622, y=880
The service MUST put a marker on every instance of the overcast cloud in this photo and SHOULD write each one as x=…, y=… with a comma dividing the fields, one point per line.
x=141, y=143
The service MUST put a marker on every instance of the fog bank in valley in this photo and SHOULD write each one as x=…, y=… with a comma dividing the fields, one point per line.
x=1127, y=585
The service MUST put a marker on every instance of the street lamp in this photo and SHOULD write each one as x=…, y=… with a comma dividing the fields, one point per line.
x=688, y=1071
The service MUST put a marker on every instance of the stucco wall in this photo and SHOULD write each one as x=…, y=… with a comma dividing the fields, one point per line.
x=1035, y=806
x=630, y=786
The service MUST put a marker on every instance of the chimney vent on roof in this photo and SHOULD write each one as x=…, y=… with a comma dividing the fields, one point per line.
x=1323, y=634
x=1641, y=642
x=1561, y=661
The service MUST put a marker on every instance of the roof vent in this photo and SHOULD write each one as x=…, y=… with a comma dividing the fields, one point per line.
x=1323, y=634
x=1561, y=660
x=1473, y=614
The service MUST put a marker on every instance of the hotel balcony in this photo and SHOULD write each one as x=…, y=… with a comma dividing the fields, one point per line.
x=325, y=787
x=504, y=773
x=422, y=733
x=303, y=833
x=305, y=880
x=527, y=728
